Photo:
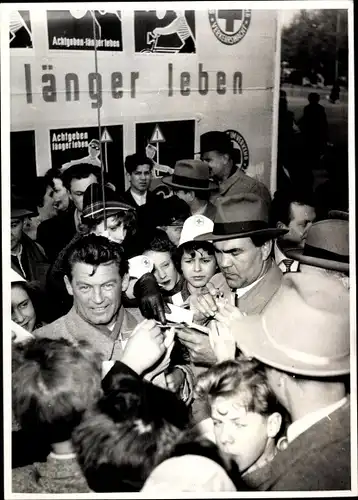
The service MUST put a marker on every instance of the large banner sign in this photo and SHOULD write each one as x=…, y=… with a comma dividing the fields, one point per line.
x=173, y=75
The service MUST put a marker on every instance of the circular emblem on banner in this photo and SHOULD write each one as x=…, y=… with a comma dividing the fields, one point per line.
x=240, y=148
x=229, y=26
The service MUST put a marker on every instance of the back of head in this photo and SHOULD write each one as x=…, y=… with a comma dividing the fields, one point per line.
x=314, y=98
x=94, y=250
x=172, y=211
x=133, y=161
x=56, y=382
x=81, y=171
x=119, y=454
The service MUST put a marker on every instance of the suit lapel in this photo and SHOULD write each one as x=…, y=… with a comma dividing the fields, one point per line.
x=254, y=301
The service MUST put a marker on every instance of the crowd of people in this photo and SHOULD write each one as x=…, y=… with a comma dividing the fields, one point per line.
x=198, y=342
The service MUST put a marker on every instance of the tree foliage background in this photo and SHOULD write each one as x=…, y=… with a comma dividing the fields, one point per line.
x=313, y=41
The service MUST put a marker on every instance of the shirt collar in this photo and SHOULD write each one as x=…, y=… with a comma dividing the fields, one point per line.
x=77, y=217
x=140, y=199
x=304, y=423
x=240, y=292
x=201, y=210
x=280, y=257
x=18, y=253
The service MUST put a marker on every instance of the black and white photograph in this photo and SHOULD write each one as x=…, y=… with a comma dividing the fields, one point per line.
x=179, y=274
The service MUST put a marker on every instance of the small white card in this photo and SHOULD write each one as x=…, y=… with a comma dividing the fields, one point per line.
x=179, y=315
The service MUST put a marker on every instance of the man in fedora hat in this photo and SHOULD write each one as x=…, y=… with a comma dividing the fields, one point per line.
x=326, y=250
x=217, y=150
x=249, y=277
x=190, y=182
x=28, y=258
x=303, y=339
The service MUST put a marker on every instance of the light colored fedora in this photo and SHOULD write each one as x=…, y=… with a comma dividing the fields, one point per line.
x=190, y=175
x=326, y=246
x=241, y=216
x=194, y=226
x=303, y=330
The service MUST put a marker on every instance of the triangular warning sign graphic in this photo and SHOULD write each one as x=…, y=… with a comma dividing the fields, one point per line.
x=157, y=135
x=105, y=136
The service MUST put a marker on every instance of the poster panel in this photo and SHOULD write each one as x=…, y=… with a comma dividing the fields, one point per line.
x=71, y=146
x=164, y=31
x=23, y=158
x=73, y=29
x=165, y=142
x=20, y=29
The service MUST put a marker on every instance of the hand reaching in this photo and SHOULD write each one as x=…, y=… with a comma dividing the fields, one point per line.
x=221, y=341
x=144, y=347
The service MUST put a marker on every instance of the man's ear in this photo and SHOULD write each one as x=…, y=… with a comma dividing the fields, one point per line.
x=274, y=423
x=266, y=249
x=68, y=285
x=125, y=282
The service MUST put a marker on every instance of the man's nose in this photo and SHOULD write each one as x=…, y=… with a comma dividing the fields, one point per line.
x=225, y=260
x=97, y=295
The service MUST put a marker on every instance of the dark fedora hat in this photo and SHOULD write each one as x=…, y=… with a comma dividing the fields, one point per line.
x=93, y=203
x=241, y=216
x=215, y=140
x=326, y=246
x=190, y=174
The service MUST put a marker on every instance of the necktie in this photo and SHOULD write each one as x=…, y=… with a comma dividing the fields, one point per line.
x=287, y=263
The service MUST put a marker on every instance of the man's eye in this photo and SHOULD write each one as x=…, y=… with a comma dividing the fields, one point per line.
x=84, y=288
x=166, y=265
x=23, y=305
x=188, y=261
x=206, y=261
x=108, y=286
x=216, y=423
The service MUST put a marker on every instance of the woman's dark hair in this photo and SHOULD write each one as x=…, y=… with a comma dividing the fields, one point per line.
x=158, y=241
x=38, y=298
x=191, y=247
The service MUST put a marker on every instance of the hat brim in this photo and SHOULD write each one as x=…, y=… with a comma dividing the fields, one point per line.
x=269, y=232
x=22, y=212
x=253, y=341
x=168, y=180
x=338, y=214
x=333, y=265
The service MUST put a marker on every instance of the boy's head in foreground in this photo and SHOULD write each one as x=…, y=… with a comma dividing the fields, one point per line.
x=246, y=415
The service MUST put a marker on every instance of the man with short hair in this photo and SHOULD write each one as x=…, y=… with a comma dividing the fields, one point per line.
x=294, y=211
x=139, y=169
x=56, y=233
x=217, y=150
x=303, y=339
x=95, y=275
x=190, y=182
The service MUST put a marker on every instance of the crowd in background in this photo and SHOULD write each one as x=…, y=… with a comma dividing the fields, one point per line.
x=198, y=342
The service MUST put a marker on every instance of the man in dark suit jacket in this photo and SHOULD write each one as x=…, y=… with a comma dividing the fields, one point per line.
x=303, y=338
x=27, y=257
x=139, y=169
